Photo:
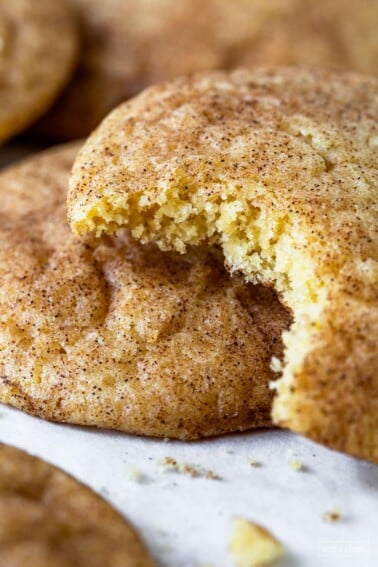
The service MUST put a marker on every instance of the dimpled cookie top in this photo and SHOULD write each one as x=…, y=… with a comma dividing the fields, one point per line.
x=48, y=519
x=108, y=333
x=128, y=45
x=38, y=44
x=279, y=168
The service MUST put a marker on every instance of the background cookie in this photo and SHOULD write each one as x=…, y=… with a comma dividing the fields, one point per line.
x=279, y=168
x=38, y=44
x=128, y=45
x=49, y=519
x=109, y=333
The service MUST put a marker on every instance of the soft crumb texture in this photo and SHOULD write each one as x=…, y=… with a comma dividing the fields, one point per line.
x=128, y=45
x=278, y=168
x=109, y=333
x=49, y=519
x=252, y=545
x=38, y=44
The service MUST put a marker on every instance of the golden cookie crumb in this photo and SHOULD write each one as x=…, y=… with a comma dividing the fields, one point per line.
x=170, y=464
x=252, y=545
x=332, y=516
x=296, y=464
x=134, y=474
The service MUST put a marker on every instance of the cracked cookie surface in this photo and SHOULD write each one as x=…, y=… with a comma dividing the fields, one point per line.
x=278, y=168
x=109, y=333
x=38, y=45
x=49, y=519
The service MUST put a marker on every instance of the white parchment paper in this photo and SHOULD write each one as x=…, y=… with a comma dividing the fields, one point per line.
x=186, y=522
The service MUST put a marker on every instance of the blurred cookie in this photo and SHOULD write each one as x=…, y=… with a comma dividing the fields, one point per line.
x=128, y=45
x=49, y=519
x=279, y=169
x=109, y=333
x=38, y=49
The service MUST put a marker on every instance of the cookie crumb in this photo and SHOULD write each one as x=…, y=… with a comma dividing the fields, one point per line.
x=252, y=545
x=254, y=463
x=134, y=474
x=189, y=470
x=169, y=463
x=296, y=464
x=212, y=475
x=332, y=516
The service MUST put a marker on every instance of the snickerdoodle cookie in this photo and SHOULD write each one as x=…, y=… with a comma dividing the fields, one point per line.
x=109, y=333
x=279, y=169
x=128, y=45
x=49, y=519
x=38, y=48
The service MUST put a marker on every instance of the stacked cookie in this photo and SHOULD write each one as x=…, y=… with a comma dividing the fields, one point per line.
x=211, y=264
x=120, y=47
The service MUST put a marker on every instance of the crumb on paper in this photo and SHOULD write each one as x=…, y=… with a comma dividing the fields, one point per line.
x=170, y=464
x=332, y=516
x=211, y=475
x=254, y=463
x=252, y=545
x=296, y=464
x=188, y=470
x=134, y=474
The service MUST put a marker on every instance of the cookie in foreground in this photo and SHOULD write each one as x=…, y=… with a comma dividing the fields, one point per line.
x=109, y=333
x=277, y=167
x=49, y=519
x=129, y=45
x=39, y=43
